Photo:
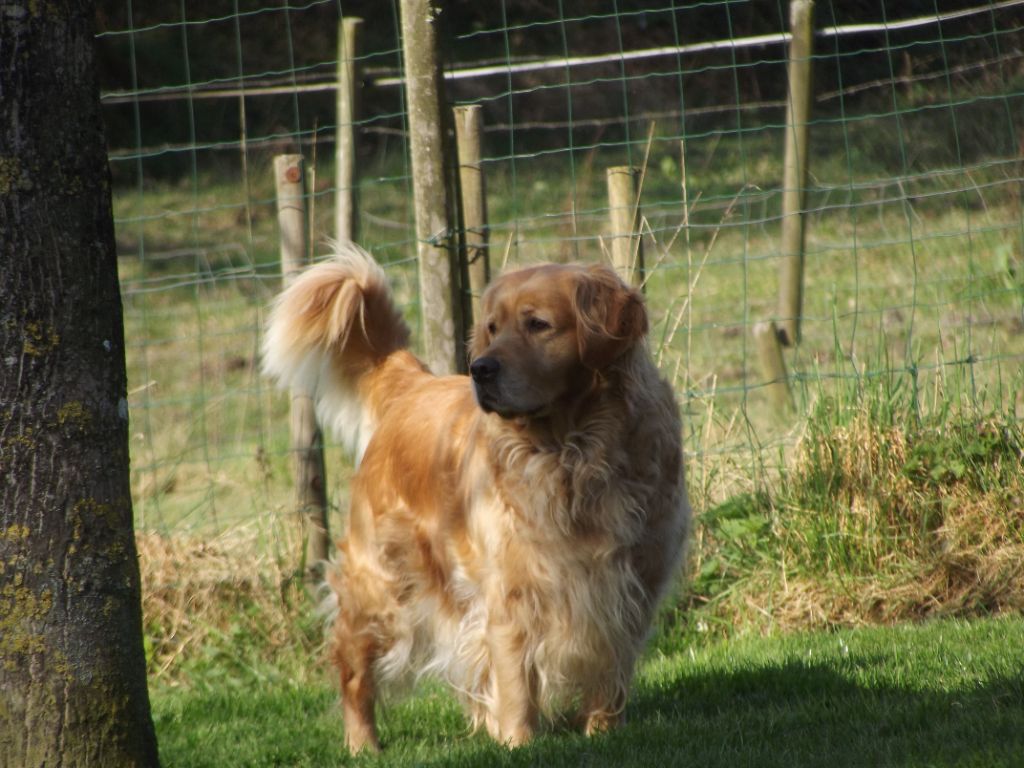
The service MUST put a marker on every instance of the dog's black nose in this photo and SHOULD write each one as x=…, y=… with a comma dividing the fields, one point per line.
x=484, y=369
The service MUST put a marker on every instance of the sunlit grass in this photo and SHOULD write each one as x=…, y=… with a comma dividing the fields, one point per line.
x=944, y=694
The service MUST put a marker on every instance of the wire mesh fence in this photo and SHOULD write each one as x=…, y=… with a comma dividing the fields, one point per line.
x=914, y=224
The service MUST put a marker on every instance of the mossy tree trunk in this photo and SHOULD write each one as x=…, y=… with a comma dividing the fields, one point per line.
x=72, y=666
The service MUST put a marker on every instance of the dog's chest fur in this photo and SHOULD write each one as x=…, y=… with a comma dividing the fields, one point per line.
x=549, y=554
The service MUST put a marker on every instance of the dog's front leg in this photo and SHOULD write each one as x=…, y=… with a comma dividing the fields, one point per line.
x=513, y=709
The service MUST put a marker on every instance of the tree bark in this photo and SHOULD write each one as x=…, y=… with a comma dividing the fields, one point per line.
x=72, y=665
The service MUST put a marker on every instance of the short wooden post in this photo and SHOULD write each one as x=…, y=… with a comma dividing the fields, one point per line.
x=307, y=441
x=444, y=333
x=468, y=133
x=346, y=212
x=624, y=214
x=773, y=365
x=794, y=184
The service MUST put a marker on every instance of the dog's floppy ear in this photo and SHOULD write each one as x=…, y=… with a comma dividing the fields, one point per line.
x=610, y=316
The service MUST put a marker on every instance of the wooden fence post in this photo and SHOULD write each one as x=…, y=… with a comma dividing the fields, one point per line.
x=444, y=333
x=307, y=441
x=624, y=213
x=794, y=184
x=468, y=133
x=773, y=365
x=346, y=212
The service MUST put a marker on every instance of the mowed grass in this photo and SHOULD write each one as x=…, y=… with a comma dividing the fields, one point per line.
x=945, y=693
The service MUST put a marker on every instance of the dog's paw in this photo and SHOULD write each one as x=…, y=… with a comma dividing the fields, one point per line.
x=600, y=722
x=361, y=740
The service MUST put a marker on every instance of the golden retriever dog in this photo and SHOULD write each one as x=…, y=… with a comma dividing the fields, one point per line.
x=511, y=531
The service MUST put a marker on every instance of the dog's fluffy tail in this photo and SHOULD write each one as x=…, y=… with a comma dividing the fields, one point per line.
x=334, y=324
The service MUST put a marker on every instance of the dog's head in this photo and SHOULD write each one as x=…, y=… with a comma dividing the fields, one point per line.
x=545, y=331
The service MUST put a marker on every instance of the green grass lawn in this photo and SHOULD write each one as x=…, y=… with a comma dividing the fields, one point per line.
x=944, y=693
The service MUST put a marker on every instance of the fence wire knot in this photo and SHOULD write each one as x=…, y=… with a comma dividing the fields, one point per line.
x=441, y=238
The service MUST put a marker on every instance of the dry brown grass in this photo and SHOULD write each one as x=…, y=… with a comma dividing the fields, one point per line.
x=878, y=525
x=224, y=599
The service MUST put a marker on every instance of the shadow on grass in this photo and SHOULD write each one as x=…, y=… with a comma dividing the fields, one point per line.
x=792, y=715
x=810, y=714
x=776, y=712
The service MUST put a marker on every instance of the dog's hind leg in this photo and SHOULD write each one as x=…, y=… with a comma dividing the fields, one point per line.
x=357, y=645
x=355, y=667
x=601, y=716
x=604, y=695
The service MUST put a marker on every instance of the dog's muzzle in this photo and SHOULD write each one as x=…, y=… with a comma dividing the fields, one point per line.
x=484, y=371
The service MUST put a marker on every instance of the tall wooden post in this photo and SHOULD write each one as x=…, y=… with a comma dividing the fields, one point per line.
x=468, y=133
x=307, y=441
x=346, y=212
x=794, y=184
x=624, y=214
x=436, y=241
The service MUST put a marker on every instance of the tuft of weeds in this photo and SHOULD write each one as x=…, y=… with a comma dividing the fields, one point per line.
x=885, y=511
x=216, y=612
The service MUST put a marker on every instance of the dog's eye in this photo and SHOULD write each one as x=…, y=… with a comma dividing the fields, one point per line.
x=536, y=325
x=492, y=328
